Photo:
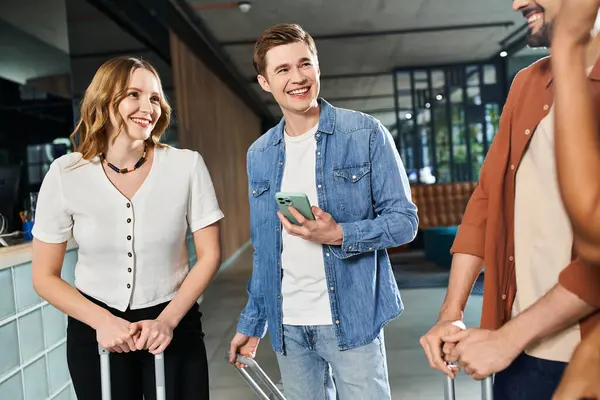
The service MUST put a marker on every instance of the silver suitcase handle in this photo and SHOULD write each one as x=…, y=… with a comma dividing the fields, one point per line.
x=159, y=371
x=487, y=390
x=274, y=393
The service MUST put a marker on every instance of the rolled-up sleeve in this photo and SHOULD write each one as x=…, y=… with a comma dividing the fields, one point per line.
x=470, y=236
x=583, y=280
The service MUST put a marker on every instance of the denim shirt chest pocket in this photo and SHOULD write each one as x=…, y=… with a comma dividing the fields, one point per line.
x=260, y=202
x=352, y=188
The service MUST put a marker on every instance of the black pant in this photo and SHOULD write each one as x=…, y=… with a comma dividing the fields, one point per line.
x=528, y=378
x=132, y=374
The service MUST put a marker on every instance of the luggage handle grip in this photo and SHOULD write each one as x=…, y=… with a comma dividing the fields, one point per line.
x=159, y=373
x=487, y=390
x=263, y=377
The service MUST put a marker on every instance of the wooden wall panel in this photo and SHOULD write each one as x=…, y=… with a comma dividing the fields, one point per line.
x=215, y=122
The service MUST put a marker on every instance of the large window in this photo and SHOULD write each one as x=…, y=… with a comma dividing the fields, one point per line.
x=447, y=118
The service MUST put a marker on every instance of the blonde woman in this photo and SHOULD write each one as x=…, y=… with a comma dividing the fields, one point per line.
x=128, y=201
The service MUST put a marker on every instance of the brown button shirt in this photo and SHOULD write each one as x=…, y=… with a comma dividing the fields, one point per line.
x=487, y=228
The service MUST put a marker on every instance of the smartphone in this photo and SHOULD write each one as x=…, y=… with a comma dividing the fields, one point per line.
x=297, y=200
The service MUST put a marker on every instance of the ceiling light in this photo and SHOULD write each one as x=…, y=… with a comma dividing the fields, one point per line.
x=245, y=6
x=503, y=54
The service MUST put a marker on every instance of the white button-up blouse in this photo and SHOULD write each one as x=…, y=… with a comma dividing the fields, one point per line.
x=132, y=253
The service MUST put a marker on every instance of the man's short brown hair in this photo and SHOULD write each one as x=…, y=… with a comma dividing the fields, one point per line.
x=278, y=35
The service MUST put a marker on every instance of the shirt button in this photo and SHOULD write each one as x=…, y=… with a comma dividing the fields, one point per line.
x=319, y=186
x=276, y=229
x=353, y=177
x=331, y=288
x=546, y=107
x=527, y=131
x=128, y=205
x=503, y=297
x=370, y=248
x=337, y=321
x=319, y=153
x=130, y=255
x=128, y=220
x=281, y=164
x=318, y=135
x=128, y=286
x=511, y=258
x=512, y=166
x=128, y=237
x=327, y=254
x=129, y=270
x=349, y=247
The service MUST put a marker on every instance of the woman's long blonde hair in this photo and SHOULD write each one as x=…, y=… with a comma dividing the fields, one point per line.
x=108, y=88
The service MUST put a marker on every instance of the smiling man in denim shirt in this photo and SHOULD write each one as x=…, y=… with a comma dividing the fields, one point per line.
x=324, y=288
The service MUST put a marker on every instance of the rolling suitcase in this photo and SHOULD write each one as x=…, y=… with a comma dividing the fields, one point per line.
x=275, y=394
x=272, y=392
x=159, y=370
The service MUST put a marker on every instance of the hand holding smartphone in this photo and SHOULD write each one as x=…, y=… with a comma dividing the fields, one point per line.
x=297, y=200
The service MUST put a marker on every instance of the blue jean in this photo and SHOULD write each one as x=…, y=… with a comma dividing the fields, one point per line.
x=312, y=359
x=528, y=378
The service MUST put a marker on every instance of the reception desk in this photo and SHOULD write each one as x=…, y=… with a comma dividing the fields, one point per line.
x=33, y=364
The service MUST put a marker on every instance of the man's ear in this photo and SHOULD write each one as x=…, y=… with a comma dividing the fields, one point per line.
x=264, y=84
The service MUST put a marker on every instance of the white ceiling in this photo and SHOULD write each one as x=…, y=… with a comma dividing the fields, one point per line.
x=24, y=57
x=330, y=17
x=379, y=53
x=33, y=39
x=45, y=20
x=366, y=55
x=373, y=58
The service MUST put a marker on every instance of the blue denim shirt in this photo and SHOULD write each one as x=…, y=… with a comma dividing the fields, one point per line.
x=362, y=183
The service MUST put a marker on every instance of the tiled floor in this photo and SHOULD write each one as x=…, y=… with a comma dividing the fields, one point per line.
x=411, y=377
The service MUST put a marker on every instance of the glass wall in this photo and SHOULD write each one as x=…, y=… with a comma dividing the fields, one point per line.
x=33, y=364
x=447, y=118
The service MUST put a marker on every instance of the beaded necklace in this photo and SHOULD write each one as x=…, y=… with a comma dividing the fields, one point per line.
x=138, y=164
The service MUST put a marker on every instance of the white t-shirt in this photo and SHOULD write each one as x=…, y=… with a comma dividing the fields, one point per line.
x=304, y=288
x=131, y=253
x=543, y=237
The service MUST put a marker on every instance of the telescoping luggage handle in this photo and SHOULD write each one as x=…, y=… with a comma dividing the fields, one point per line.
x=159, y=371
x=274, y=393
x=486, y=389
x=487, y=392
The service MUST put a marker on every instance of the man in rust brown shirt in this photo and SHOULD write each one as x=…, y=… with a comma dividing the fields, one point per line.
x=540, y=299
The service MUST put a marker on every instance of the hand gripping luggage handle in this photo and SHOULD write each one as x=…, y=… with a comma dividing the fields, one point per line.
x=487, y=392
x=253, y=366
x=159, y=371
